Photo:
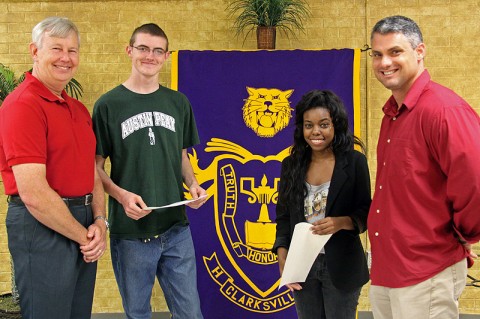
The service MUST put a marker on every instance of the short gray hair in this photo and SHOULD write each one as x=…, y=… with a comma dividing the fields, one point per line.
x=399, y=24
x=57, y=26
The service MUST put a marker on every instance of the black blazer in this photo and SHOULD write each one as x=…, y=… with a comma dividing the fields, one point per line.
x=349, y=195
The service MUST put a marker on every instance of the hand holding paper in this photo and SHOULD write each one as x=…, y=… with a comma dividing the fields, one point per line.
x=303, y=251
x=183, y=202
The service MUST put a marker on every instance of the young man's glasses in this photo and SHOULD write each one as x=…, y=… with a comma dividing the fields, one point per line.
x=158, y=52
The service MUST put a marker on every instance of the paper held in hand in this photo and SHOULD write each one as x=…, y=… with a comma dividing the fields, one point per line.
x=183, y=202
x=303, y=251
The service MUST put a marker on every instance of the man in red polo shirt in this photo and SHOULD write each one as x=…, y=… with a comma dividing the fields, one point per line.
x=425, y=211
x=56, y=226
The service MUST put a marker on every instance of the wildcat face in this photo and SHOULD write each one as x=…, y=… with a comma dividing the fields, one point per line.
x=267, y=111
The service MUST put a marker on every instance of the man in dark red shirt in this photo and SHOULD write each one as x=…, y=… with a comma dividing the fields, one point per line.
x=425, y=211
x=56, y=212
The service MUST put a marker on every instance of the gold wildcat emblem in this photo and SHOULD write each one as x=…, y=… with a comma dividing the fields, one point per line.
x=267, y=111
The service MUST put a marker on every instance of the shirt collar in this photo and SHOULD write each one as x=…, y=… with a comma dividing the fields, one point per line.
x=391, y=109
x=43, y=91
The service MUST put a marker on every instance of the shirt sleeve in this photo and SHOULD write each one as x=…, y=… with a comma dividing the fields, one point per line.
x=191, y=137
x=283, y=236
x=100, y=127
x=26, y=129
x=456, y=148
x=363, y=197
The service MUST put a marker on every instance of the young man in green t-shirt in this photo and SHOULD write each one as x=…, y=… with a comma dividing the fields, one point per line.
x=145, y=129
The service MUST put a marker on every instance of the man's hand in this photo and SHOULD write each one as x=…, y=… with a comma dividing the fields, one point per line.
x=468, y=248
x=196, y=191
x=133, y=204
x=97, y=245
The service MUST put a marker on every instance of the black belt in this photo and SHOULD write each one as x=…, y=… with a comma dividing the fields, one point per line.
x=69, y=201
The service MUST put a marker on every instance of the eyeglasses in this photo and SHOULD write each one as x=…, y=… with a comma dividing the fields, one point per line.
x=158, y=52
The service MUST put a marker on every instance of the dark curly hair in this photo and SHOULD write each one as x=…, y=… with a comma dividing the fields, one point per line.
x=293, y=187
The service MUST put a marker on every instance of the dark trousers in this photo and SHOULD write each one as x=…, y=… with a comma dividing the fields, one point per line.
x=320, y=299
x=52, y=279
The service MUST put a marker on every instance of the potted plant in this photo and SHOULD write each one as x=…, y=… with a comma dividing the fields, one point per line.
x=8, y=82
x=266, y=16
x=9, y=308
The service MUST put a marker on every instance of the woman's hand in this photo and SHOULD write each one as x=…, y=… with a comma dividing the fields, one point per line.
x=330, y=225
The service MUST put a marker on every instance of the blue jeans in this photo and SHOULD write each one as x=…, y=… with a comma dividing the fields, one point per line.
x=319, y=299
x=171, y=258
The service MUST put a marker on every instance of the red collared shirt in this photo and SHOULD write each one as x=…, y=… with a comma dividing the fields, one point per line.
x=38, y=127
x=428, y=181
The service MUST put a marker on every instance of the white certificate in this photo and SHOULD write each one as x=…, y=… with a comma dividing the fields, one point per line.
x=303, y=251
x=183, y=202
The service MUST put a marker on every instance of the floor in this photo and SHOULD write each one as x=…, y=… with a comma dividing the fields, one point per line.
x=164, y=315
x=156, y=315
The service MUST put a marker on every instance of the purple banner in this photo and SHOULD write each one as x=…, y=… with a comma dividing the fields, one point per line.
x=244, y=108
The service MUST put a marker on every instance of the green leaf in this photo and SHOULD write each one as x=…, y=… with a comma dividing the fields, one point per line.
x=74, y=88
x=8, y=82
x=286, y=15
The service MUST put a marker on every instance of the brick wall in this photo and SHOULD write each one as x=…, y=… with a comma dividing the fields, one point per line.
x=450, y=30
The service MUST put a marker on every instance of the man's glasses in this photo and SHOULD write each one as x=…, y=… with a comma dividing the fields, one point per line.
x=158, y=52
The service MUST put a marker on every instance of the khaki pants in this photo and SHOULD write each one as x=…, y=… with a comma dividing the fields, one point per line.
x=434, y=298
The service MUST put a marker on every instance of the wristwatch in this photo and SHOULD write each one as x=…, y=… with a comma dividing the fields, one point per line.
x=104, y=219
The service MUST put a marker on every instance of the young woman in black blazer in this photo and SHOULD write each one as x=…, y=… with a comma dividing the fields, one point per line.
x=325, y=182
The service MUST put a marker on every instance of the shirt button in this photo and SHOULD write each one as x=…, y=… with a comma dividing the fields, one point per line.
x=394, y=118
x=380, y=186
x=388, y=141
x=384, y=163
x=376, y=234
x=378, y=211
